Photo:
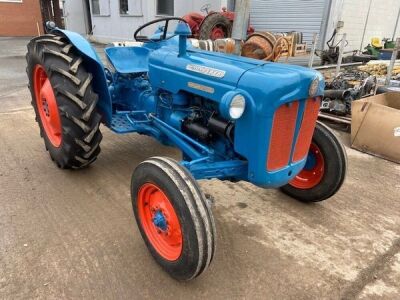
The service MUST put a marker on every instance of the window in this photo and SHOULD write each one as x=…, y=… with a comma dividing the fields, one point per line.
x=165, y=7
x=95, y=7
x=130, y=7
x=123, y=7
x=100, y=7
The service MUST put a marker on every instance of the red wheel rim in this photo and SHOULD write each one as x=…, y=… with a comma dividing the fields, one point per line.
x=217, y=33
x=159, y=221
x=312, y=172
x=47, y=106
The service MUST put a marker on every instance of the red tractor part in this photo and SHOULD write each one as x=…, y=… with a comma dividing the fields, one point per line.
x=47, y=106
x=159, y=221
x=214, y=25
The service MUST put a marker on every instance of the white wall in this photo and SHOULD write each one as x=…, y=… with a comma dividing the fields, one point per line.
x=380, y=24
x=74, y=16
x=115, y=27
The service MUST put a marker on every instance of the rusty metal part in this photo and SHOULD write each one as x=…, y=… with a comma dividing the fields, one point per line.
x=337, y=119
x=226, y=45
x=265, y=46
x=259, y=45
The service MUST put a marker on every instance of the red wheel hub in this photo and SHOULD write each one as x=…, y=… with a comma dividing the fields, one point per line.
x=159, y=221
x=47, y=106
x=217, y=33
x=312, y=172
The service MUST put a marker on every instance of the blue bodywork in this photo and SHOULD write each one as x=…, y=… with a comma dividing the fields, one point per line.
x=155, y=88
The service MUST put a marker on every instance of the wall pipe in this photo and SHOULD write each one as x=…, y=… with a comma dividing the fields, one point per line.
x=365, y=25
x=395, y=26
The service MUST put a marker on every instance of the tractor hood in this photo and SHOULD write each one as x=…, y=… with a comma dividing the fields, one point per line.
x=212, y=74
x=207, y=74
x=272, y=84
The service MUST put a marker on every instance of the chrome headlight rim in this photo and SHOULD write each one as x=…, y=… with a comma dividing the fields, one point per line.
x=237, y=106
x=233, y=105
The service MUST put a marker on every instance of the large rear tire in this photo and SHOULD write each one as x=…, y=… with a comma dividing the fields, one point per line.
x=325, y=169
x=173, y=217
x=215, y=26
x=64, y=101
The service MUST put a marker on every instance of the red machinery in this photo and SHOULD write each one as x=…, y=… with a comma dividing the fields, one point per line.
x=213, y=25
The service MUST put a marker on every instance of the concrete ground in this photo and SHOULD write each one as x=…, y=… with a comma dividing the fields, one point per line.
x=71, y=234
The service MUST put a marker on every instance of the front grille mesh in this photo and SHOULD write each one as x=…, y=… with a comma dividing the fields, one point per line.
x=283, y=128
x=307, y=129
x=283, y=133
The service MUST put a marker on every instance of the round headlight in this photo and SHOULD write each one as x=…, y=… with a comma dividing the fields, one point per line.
x=237, y=106
x=313, y=87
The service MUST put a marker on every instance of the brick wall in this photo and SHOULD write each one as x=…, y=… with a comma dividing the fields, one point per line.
x=20, y=18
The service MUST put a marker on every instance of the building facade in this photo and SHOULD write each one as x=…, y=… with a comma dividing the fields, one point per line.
x=110, y=20
x=20, y=18
x=362, y=19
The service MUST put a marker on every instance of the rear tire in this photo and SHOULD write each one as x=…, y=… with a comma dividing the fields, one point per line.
x=214, y=22
x=65, y=86
x=173, y=217
x=324, y=177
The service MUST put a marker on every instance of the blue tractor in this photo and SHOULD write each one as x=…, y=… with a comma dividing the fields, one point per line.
x=233, y=118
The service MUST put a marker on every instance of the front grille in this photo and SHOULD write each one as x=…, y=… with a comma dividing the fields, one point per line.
x=283, y=128
x=307, y=129
x=283, y=139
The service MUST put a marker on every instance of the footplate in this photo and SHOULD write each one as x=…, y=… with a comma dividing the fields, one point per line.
x=128, y=121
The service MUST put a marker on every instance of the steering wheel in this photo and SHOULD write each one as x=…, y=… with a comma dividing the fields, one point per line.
x=163, y=36
x=205, y=8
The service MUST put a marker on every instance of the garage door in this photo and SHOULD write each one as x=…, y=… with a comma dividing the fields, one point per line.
x=291, y=15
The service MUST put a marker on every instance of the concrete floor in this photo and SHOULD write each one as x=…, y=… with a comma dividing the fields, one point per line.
x=71, y=234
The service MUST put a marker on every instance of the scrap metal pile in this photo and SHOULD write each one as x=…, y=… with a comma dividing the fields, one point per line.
x=259, y=45
x=345, y=88
x=379, y=68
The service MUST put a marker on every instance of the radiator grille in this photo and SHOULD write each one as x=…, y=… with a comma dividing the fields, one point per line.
x=282, y=135
x=306, y=129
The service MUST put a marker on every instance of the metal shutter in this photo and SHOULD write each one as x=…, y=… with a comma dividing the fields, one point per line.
x=290, y=15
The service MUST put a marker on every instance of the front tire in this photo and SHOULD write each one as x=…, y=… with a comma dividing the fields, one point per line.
x=173, y=217
x=325, y=169
x=64, y=101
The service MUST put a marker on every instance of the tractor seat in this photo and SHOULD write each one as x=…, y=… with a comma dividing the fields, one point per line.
x=128, y=60
x=376, y=42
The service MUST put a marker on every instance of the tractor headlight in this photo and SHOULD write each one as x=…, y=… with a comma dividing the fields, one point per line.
x=237, y=106
x=313, y=87
x=232, y=105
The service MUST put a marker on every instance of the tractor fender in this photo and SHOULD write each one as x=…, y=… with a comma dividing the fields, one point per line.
x=95, y=67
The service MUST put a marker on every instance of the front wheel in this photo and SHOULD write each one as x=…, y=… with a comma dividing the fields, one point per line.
x=325, y=169
x=173, y=217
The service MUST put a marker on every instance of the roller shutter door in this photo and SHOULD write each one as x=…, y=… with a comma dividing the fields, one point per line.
x=290, y=15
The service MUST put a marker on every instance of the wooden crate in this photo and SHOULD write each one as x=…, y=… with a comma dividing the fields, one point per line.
x=300, y=49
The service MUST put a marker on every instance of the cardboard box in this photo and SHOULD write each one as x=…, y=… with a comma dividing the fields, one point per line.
x=375, y=125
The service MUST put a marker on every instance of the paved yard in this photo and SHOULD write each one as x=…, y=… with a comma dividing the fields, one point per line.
x=71, y=234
